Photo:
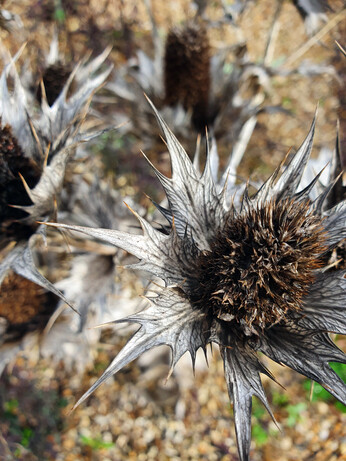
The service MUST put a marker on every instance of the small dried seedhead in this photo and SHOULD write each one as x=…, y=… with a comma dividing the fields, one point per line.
x=24, y=305
x=260, y=265
x=12, y=191
x=186, y=70
x=54, y=78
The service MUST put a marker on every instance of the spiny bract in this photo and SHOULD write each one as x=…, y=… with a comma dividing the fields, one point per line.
x=250, y=275
x=91, y=284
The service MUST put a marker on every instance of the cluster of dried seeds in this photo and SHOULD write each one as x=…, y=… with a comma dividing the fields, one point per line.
x=260, y=264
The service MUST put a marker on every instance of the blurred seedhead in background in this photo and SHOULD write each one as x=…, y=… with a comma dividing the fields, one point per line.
x=38, y=146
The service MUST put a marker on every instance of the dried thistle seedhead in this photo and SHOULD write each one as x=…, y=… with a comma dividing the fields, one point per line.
x=186, y=70
x=25, y=305
x=260, y=264
x=12, y=191
x=54, y=78
x=248, y=274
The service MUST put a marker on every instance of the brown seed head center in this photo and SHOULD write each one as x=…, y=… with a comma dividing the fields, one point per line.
x=24, y=306
x=20, y=299
x=54, y=78
x=12, y=192
x=187, y=71
x=261, y=264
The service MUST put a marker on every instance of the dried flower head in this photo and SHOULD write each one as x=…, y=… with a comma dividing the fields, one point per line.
x=54, y=78
x=36, y=145
x=14, y=163
x=187, y=70
x=24, y=306
x=190, y=86
x=44, y=139
x=251, y=277
x=260, y=265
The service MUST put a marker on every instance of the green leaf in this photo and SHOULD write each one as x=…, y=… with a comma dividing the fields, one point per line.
x=319, y=393
x=280, y=399
x=259, y=434
x=295, y=413
x=27, y=434
x=59, y=14
x=11, y=405
x=340, y=406
x=96, y=443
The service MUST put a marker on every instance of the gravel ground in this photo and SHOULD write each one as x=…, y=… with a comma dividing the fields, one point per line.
x=135, y=415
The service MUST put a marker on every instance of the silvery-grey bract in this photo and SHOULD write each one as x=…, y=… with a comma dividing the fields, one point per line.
x=11, y=22
x=251, y=276
x=313, y=12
